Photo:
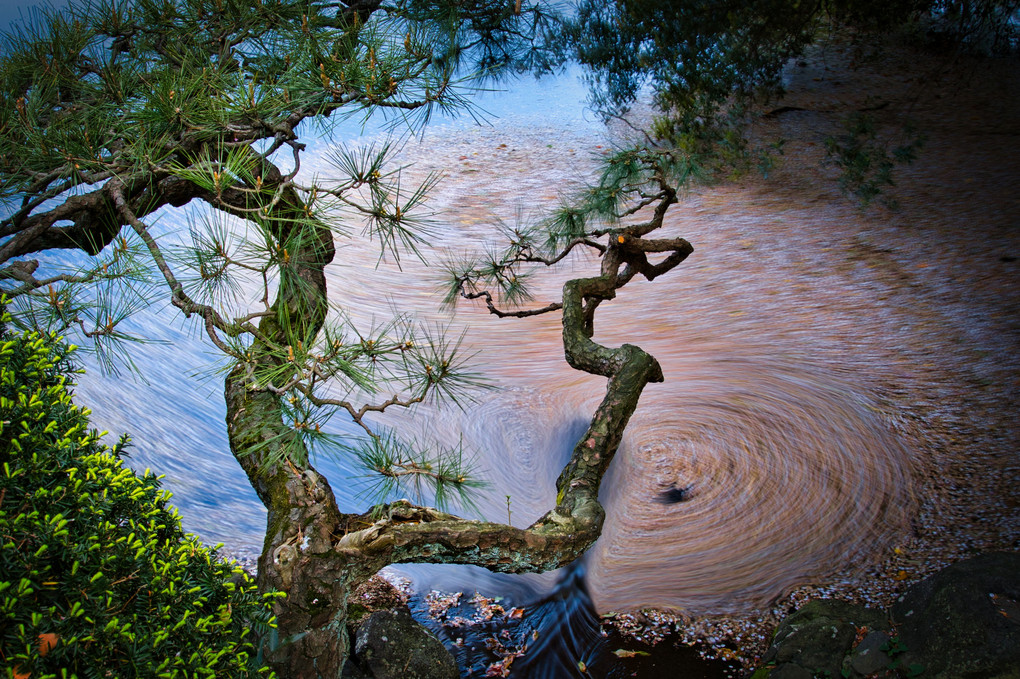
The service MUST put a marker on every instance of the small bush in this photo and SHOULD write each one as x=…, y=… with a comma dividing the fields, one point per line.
x=97, y=578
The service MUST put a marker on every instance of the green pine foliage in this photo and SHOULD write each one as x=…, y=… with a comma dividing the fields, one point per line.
x=107, y=125
x=97, y=577
x=866, y=166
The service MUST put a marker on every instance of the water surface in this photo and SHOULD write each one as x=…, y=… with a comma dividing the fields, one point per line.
x=794, y=465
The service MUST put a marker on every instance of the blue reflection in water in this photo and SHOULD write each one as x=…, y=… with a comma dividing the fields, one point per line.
x=548, y=635
x=531, y=635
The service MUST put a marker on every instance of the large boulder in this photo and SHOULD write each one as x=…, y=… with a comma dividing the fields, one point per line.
x=816, y=640
x=393, y=645
x=961, y=623
x=964, y=621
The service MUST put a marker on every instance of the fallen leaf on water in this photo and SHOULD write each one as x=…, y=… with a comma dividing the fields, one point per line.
x=902, y=575
x=624, y=653
x=860, y=633
x=581, y=666
x=515, y=613
x=501, y=668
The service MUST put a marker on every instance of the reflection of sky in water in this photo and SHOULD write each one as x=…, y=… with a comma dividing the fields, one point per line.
x=557, y=100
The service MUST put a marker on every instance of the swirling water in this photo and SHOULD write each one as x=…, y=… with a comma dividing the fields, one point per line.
x=795, y=468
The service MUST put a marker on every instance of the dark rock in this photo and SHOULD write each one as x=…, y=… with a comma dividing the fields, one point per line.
x=869, y=656
x=964, y=621
x=820, y=635
x=353, y=671
x=790, y=671
x=961, y=623
x=392, y=645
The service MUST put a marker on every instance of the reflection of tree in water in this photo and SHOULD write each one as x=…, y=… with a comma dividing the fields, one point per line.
x=558, y=635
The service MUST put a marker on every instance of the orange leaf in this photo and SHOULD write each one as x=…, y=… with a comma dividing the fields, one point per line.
x=18, y=674
x=902, y=575
x=47, y=640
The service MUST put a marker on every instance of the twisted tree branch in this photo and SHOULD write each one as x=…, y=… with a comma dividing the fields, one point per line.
x=417, y=534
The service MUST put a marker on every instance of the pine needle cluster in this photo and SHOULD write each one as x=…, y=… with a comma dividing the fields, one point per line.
x=115, y=112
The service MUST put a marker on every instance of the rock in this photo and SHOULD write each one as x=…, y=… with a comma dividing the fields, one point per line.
x=353, y=671
x=375, y=594
x=790, y=671
x=820, y=635
x=392, y=645
x=869, y=656
x=964, y=621
x=961, y=623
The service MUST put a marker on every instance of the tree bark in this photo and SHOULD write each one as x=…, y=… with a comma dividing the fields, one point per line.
x=298, y=556
x=303, y=524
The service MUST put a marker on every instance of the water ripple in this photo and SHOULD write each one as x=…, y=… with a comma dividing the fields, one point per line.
x=791, y=470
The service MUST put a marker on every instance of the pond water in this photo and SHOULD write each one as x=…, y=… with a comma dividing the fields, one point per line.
x=794, y=468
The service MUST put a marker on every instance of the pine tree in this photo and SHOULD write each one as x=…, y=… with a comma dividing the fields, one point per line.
x=117, y=109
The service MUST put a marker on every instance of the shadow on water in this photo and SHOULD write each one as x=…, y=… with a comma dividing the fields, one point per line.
x=553, y=637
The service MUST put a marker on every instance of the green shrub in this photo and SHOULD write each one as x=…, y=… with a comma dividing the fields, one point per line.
x=97, y=578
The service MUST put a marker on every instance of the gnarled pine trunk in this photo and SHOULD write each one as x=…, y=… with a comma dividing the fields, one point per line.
x=316, y=555
x=298, y=558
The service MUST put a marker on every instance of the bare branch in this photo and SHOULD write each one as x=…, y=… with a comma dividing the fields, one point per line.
x=520, y=313
x=180, y=299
